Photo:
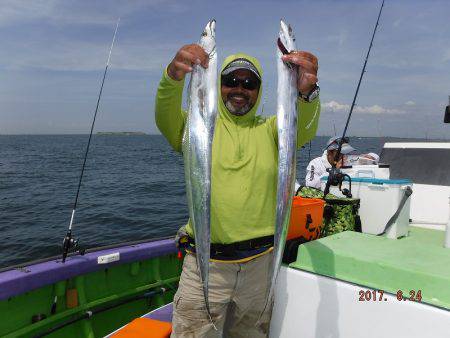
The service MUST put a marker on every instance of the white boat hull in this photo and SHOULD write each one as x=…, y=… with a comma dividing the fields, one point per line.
x=313, y=306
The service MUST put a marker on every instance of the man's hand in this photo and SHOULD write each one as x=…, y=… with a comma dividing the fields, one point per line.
x=340, y=163
x=185, y=58
x=307, y=69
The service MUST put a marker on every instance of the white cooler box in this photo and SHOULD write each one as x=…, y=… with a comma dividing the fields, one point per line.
x=370, y=170
x=380, y=200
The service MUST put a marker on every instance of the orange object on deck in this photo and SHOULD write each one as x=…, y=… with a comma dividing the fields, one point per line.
x=145, y=328
x=306, y=218
x=71, y=298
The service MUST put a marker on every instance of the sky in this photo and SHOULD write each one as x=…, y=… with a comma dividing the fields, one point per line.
x=54, y=52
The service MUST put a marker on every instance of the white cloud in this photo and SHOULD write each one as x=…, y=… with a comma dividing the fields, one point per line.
x=397, y=22
x=76, y=12
x=88, y=56
x=16, y=10
x=410, y=103
x=335, y=106
x=340, y=37
x=376, y=109
x=41, y=49
x=76, y=55
x=446, y=55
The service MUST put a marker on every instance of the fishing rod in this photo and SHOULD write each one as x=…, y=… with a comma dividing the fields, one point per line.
x=335, y=176
x=69, y=241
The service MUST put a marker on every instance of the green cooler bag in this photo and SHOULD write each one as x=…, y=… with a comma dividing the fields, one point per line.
x=340, y=214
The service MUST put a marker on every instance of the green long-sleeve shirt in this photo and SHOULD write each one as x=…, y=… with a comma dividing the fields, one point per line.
x=244, y=159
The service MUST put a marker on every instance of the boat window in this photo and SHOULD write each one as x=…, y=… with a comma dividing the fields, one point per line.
x=421, y=165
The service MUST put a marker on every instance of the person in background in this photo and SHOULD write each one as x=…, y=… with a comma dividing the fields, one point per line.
x=317, y=168
x=370, y=158
x=361, y=159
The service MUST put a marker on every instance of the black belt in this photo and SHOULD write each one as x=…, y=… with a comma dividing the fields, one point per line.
x=230, y=250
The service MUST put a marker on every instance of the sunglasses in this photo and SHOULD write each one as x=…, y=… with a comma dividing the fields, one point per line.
x=246, y=83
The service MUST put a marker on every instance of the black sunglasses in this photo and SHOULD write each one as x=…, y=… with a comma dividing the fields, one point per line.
x=248, y=83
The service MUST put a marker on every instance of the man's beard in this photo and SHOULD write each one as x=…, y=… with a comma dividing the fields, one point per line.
x=238, y=111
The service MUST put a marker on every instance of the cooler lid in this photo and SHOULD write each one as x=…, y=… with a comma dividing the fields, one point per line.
x=366, y=166
x=375, y=180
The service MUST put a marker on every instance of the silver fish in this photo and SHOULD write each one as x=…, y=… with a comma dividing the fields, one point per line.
x=287, y=147
x=197, y=148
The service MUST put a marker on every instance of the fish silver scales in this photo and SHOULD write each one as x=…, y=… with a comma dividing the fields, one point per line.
x=197, y=148
x=287, y=147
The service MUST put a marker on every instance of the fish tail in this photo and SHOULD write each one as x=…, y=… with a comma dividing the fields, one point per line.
x=208, y=311
x=259, y=322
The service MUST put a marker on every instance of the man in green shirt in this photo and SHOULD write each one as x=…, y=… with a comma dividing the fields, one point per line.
x=243, y=190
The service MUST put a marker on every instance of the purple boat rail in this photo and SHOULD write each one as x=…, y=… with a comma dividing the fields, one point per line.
x=23, y=278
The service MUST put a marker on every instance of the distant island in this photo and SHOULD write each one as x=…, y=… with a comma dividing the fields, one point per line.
x=121, y=133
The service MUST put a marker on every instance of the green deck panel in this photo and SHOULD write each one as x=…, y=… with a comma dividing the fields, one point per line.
x=416, y=262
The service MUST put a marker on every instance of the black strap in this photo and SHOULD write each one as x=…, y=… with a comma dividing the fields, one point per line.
x=408, y=193
x=299, y=189
x=251, y=244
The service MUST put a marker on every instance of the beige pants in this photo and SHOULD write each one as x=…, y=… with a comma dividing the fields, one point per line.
x=237, y=294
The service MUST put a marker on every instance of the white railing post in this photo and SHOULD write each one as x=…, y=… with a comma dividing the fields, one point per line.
x=447, y=229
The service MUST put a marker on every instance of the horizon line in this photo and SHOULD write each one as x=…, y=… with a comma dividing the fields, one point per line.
x=139, y=133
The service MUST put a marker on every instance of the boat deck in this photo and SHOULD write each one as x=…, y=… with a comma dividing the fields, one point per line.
x=89, y=295
x=412, y=263
x=358, y=285
x=162, y=314
x=337, y=268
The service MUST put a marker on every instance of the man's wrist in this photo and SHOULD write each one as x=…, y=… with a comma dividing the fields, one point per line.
x=311, y=95
x=306, y=91
x=170, y=72
x=171, y=80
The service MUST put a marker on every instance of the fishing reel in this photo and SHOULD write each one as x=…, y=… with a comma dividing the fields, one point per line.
x=335, y=178
x=71, y=244
x=346, y=192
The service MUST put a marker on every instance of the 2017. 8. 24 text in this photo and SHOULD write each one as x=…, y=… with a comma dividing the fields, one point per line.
x=379, y=296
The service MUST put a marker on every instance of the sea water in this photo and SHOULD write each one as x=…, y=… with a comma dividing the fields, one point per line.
x=133, y=188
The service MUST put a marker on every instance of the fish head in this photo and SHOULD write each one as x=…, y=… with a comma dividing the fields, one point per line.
x=286, y=37
x=208, y=38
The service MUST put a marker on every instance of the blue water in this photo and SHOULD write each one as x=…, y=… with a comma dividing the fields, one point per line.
x=133, y=188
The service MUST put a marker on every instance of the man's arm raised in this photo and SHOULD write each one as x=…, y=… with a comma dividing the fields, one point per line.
x=308, y=112
x=169, y=116
x=307, y=66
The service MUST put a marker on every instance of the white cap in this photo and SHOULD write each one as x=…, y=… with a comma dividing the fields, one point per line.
x=333, y=144
x=241, y=63
x=374, y=156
